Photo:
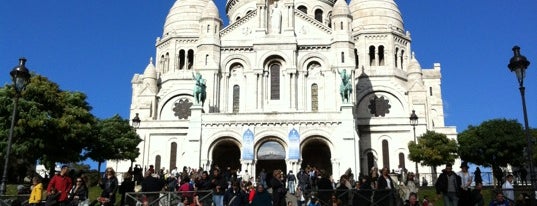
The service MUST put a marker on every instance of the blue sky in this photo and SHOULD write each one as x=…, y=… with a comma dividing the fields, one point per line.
x=96, y=47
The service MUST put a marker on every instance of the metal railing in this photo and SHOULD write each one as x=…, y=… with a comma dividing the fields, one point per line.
x=204, y=198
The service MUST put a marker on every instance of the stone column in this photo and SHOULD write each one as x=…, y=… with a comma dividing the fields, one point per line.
x=194, y=135
x=349, y=141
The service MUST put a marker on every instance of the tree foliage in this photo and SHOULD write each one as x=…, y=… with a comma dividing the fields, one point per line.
x=52, y=125
x=433, y=149
x=114, y=139
x=493, y=143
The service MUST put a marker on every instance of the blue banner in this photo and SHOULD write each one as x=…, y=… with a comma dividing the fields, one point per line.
x=294, y=144
x=248, y=145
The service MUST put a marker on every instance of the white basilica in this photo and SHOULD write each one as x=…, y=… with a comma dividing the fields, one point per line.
x=271, y=83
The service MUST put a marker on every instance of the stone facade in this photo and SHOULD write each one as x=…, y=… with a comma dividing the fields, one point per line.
x=273, y=79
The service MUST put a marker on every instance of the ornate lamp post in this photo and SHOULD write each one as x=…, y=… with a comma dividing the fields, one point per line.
x=20, y=76
x=414, y=122
x=136, y=124
x=136, y=121
x=519, y=64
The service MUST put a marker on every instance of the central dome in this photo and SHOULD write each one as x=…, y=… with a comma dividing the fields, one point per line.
x=183, y=18
x=375, y=15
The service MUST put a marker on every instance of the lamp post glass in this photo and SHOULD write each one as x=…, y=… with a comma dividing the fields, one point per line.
x=414, y=122
x=136, y=121
x=20, y=76
x=519, y=64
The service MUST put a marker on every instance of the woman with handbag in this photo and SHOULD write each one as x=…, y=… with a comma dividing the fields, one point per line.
x=109, y=184
x=78, y=195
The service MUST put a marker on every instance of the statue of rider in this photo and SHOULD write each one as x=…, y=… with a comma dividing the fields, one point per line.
x=200, y=89
x=345, y=89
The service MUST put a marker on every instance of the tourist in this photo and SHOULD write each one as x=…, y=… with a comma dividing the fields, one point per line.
x=37, y=190
x=78, y=193
x=60, y=184
x=109, y=184
x=448, y=184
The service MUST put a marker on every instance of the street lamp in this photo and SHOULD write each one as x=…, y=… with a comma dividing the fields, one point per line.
x=414, y=121
x=519, y=64
x=136, y=124
x=20, y=76
x=136, y=121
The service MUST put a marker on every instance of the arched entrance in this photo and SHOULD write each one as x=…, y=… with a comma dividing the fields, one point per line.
x=226, y=153
x=270, y=157
x=316, y=153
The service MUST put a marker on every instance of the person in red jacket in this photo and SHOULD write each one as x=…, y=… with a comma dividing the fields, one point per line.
x=60, y=183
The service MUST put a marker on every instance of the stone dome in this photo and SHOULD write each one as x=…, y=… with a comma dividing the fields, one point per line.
x=340, y=8
x=183, y=18
x=375, y=15
x=414, y=68
x=150, y=71
x=211, y=11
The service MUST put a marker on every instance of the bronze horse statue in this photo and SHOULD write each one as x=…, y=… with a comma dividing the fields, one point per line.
x=200, y=93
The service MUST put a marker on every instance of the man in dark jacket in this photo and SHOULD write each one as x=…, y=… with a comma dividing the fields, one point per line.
x=219, y=186
x=234, y=196
x=448, y=184
x=152, y=183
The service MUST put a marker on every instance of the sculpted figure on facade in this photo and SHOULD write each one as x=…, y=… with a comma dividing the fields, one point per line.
x=276, y=18
x=345, y=89
x=200, y=89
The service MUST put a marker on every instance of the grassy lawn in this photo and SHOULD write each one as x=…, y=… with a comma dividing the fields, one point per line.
x=430, y=192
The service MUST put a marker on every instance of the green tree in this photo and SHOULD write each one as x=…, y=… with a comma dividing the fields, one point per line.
x=115, y=139
x=492, y=144
x=52, y=125
x=433, y=149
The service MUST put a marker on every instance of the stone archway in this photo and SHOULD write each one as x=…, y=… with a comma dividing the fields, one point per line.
x=316, y=153
x=270, y=156
x=226, y=153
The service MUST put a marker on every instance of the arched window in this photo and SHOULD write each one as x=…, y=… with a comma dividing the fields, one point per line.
x=271, y=150
x=173, y=155
x=157, y=162
x=314, y=98
x=342, y=57
x=395, y=56
x=381, y=55
x=206, y=59
x=372, y=56
x=166, y=62
x=208, y=28
x=402, y=54
x=402, y=160
x=385, y=154
x=238, y=17
x=181, y=59
x=319, y=15
x=190, y=58
x=370, y=160
x=341, y=25
x=303, y=9
x=275, y=82
x=356, y=60
x=236, y=98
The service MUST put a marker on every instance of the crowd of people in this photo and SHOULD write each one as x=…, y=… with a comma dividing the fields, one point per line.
x=455, y=189
x=310, y=186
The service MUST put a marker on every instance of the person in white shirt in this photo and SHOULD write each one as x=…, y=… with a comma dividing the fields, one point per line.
x=466, y=181
x=246, y=176
x=507, y=188
x=174, y=172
